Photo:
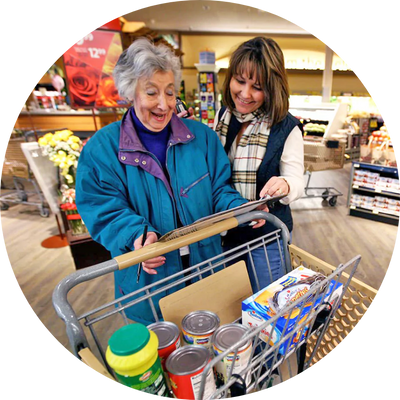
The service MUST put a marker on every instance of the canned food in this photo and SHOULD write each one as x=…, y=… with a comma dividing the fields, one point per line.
x=225, y=337
x=185, y=367
x=198, y=327
x=168, y=338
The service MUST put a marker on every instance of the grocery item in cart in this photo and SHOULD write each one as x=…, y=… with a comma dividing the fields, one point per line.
x=132, y=353
x=169, y=338
x=185, y=367
x=272, y=300
x=198, y=328
x=225, y=337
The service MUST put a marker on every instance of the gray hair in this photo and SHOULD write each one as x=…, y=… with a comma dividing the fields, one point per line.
x=142, y=59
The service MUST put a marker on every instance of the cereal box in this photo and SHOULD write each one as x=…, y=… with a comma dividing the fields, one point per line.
x=273, y=299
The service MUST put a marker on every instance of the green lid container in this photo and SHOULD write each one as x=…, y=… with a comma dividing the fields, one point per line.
x=121, y=343
x=132, y=353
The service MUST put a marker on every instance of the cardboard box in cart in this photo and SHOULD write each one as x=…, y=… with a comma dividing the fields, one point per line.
x=271, y=300
x=221, y=293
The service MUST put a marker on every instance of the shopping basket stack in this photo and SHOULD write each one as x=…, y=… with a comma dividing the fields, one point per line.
x=314, y=333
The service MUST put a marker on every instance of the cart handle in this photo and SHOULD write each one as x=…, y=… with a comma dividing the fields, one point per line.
x=159, y=248
x=75, y=333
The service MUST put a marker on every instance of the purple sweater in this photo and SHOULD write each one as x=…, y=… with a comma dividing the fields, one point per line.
x=154, y=142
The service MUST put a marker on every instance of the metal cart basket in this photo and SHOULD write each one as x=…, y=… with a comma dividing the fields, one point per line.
x=318, y=156
x=16, y=166
x=313, y=336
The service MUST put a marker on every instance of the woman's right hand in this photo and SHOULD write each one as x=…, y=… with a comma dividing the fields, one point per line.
x=149, y=265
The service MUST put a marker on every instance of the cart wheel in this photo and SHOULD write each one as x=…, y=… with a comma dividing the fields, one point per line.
x=332, y=201
x=44, y=212
x=4, y=206
x=325, y=194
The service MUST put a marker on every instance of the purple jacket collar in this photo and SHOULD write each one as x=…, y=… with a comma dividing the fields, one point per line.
x=129, y=140
x=132, y=152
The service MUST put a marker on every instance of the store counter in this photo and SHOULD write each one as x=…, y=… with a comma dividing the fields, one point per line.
x=77, y=121
x=85, y=251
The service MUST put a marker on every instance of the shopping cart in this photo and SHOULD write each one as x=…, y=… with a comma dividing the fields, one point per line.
x=17, y=167
x=320, y=156
x=324, y=327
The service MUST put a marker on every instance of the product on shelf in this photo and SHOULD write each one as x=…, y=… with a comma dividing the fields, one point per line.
x=373, y=196
x=373, y=180
x=379, y=149
x=376, y=204
x=380, y=136
x=314, y=128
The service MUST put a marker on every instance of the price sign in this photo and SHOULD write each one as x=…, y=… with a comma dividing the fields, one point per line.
x=89, y=65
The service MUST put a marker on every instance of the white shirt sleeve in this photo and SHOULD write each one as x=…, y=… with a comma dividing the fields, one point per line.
x=292, y=165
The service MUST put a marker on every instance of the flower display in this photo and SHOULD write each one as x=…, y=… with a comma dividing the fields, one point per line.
x=63, y=149
x=75, y=221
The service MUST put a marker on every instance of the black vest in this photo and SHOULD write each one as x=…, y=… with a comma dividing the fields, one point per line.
x=269, y=167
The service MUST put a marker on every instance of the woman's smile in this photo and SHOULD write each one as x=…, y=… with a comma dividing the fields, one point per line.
x=155, y=101
x=246, y=93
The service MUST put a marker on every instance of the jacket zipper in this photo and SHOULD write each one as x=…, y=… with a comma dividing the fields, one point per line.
x=184, y=191
x=175, y=201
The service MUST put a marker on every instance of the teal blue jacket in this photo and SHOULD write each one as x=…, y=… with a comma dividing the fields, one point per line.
x=120, y=187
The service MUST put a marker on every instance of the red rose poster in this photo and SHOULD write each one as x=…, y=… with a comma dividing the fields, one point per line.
x=89, y=65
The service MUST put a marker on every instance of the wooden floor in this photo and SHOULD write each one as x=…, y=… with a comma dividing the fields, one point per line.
x=326, y=232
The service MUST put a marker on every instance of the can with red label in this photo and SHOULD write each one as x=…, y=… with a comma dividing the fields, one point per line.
x=168, y=338
x=185, y=367
x=198, y=328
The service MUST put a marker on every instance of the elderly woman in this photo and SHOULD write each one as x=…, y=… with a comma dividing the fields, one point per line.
x=152, y=168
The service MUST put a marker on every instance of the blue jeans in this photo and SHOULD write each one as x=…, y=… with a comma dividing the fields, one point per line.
x=267, y=270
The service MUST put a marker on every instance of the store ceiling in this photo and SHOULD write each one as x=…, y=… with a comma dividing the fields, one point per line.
x=212, y=16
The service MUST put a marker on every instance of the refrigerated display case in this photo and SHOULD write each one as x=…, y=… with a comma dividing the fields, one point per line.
x=327, y=118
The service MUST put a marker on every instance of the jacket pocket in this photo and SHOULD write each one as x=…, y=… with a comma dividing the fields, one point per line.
x=184, y=191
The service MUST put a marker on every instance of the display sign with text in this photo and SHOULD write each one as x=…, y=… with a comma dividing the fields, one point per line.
x=89, y=65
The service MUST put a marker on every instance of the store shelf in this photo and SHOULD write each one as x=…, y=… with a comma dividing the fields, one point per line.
x=381, y=204
x=377, y=168
x=376, y=191
x=375, y=216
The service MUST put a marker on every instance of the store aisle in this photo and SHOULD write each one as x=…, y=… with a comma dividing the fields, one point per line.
x=326, y=232
x=38, y=270
x=330, y=234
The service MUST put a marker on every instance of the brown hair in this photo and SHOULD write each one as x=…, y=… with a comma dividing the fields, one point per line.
x=261, y=58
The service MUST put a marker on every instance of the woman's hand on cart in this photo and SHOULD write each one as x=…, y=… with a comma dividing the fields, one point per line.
x=149, y=265
x=260, y=222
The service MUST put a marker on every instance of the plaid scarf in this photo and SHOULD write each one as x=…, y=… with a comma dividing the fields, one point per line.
x=247, y=155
